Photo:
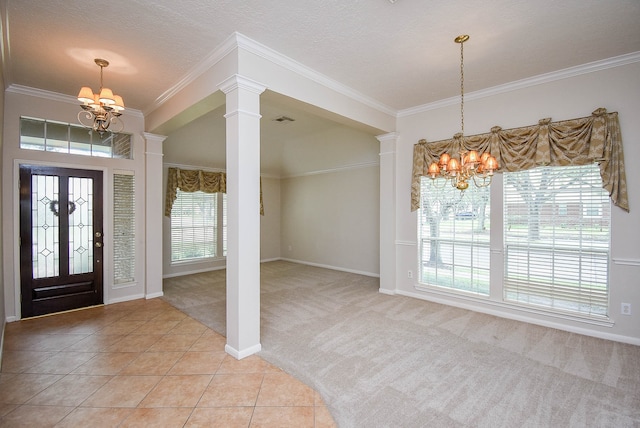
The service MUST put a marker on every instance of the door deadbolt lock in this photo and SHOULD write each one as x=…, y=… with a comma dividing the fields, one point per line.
x=98, y=234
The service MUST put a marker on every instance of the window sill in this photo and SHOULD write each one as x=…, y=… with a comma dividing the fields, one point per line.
x=603, y=321
x=198, y=261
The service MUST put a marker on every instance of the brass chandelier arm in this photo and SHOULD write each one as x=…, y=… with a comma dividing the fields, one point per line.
x=100, y=110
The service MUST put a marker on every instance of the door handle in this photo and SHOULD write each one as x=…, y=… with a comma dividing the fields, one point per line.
x=98, y=244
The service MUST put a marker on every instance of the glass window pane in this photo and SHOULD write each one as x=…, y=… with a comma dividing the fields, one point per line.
x=453, y=236
x=80, y=141
x=31, y=134
x=121, y=146
x=80, y=206
x=224, y=224
x=57, y=137
x=101, y=146
x=557, y=235
x=194, y=226
x=38, y=134
x=45, y=226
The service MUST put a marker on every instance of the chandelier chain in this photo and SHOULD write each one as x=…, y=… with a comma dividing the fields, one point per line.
x=462, y=87
x=470, y=165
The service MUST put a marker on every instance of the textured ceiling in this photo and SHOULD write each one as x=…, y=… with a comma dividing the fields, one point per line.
x=400, y=54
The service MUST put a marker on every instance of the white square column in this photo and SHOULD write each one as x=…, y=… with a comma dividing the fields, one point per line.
x=153, y=215
x=388, y=213
x=243, y=215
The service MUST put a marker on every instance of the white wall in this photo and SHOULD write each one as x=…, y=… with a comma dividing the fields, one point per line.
x=615, y=89
x=331, y=201
x=320, y=194
x=270, y=222
x=331, y=219
x=37, y=104
x=201, y=142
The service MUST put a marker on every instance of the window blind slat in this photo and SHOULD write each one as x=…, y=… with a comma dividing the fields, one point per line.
x=124, y=228
x=194, y=226
x=557, y=231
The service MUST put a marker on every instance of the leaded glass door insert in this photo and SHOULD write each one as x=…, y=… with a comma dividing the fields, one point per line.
x=61, y=239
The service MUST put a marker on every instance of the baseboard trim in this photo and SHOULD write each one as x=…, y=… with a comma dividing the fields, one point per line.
x=4, y=325
x=341, y=269
x=524, y=318
x=192, y=272
x=387, y=292
x=210, y=269
x=275, y=259
x=238, y=355
x=154, y=295
x=125, y=299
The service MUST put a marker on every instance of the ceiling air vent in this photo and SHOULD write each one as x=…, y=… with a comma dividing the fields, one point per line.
x=282, y=119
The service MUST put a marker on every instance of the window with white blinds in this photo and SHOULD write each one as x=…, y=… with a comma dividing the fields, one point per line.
x=196, y=226
x=453, y=236
x=124, y=231
x=224, y=224
x=557, y=239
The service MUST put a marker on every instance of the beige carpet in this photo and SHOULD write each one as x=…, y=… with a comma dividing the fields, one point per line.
x=393, y=361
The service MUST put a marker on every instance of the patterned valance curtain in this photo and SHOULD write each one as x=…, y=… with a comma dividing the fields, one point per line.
x=196, y=180
x=596, y=138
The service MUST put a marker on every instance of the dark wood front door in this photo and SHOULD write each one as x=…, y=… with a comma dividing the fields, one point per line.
x=60, y=239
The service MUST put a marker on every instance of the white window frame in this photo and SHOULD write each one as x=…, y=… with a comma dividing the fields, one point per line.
x=575, y=279
x=216, y=249
x=463, y=223
x=62, y=137
x=498, y=285
x=124, y=227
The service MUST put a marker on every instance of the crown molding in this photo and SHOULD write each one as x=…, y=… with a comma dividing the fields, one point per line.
x=208, y=169
x=224, y=49
x=566, y=73
x=41, y=93
x=275, y=57
x=240, y=82
x=390, y=136
x=5, y=46
x=375, y=164
x=61, y=98
x=279, y=177
x=240, y=41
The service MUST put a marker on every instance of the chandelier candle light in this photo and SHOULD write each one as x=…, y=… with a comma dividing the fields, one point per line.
x=470, y=165
x=102, y=109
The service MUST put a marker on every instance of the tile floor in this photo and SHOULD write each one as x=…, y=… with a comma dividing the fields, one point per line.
x=142, y=363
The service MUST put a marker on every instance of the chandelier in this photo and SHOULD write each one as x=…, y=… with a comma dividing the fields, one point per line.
x=101, y=110
x=469, y=165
